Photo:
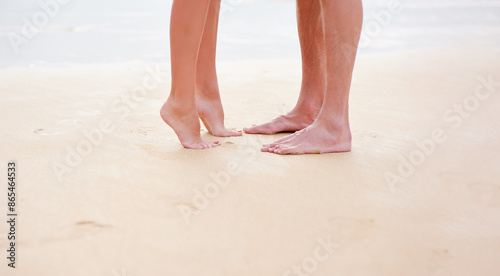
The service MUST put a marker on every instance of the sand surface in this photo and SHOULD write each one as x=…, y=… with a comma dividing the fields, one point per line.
x=104, y=187
x=127, y=203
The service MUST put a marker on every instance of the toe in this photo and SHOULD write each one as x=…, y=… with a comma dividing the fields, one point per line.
x=251, y=130
x=196, y=146
x=269, y=149
x=203, y=145
x=288, y=150
x=275, y=149
x=248, y=129
x=227, y=133
x=267, y=146
x=200, y=146
x=213, y=144
x=279, y=142
x=260, y=129
x=236, y=133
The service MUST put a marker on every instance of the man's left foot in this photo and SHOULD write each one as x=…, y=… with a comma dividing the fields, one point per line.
x=299, y=118
x=315, y=139
x=212, y=115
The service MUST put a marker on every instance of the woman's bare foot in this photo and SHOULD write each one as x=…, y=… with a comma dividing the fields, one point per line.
x=186, y=125
x=212, y=116
x=295, y=120
x=317, y=138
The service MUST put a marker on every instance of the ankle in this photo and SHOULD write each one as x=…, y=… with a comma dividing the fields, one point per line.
x=309, y=108
x=338, y=125
x=208, y=97
x=179, y=105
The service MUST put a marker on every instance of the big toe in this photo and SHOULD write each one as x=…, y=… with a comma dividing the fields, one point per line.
x=288, y=150
x=275, y=149
x=214, y=144
x=267, y=147
x=251, y=130
x=260, y=129
x=233, y=133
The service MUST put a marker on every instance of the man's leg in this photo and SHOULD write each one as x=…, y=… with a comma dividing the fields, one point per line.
x=179, y=111
x=330, y=131
x=312, y=92
x=208, y=100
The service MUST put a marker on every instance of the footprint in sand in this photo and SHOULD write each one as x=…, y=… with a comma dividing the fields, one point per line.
x=143, y=131
x=78, y=230
x=45, y=132
x=63, y=126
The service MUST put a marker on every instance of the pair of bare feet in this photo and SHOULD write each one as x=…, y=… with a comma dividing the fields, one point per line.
x=312, y=134
x=185, y=121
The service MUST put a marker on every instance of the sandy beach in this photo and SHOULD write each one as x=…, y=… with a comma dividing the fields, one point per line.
x=105, y=188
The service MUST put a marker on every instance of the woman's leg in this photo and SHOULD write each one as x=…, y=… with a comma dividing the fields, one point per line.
x=179, y=111
x=208, y=100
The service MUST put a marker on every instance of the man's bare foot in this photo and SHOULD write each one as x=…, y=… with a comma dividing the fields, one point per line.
x=186, y=125
x=317, y=138
x=297, y=119
x=212, y=116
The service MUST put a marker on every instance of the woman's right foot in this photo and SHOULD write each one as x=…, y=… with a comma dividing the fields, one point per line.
x=211, y=114
x=184, y=121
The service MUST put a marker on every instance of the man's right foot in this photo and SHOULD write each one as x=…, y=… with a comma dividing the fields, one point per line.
x=186, y=124
x=324, y=136
x=295, y=120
